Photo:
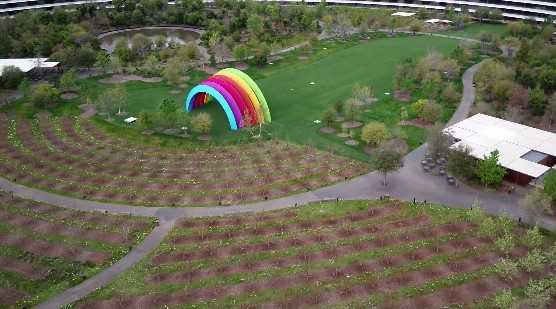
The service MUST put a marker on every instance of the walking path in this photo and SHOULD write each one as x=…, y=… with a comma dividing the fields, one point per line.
x=408, y=183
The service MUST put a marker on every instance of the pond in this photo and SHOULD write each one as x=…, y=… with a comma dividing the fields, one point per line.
x=172, y=35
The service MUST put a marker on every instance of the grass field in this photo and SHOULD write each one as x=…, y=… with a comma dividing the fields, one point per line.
x=334, y=66
x=473, y=30
x=46, y=249
x=334, y=255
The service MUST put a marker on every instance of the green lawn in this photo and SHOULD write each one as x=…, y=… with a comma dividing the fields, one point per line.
x=473, y=30
x=295, y=104
x=334, y=66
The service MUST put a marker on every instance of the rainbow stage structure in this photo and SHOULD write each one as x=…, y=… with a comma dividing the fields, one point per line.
x=238, y=95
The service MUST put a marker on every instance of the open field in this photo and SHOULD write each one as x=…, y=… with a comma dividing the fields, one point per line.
x=46, y=249
x=346, y=254
x=473, y=30
x=72, y=156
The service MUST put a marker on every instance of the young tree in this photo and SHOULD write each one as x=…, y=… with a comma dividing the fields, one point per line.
x=173, y=71
x=201, y=123
x=438, y=142
x=240, y=52
x=505, y=300
x=103, y=62
x=461, y=163
x=450, y=95
x=45, y=95
x=351, y=109
x=387, y=161
x=533, y=238
x=329, y=117
x=537, y=201
x=363, y=93
x=431, y=112
x=550, y=185
x=537, y=100
x=11, y=77
x=374, y=133
x=507, y=268
x=533, y=261
x=68, y=80
x=168, y=109
x=489, y=170
x=339, y=107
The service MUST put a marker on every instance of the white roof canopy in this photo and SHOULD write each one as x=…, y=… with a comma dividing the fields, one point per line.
x=26, y=64
x=484, y=134
x=404, y=14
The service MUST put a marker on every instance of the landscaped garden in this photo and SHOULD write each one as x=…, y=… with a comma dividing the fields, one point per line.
x=45, y=250
x=389, y=254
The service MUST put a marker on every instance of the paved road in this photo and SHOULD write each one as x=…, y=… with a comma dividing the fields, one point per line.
x=408, y=183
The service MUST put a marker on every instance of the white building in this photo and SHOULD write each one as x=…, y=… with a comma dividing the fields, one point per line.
x=27, y=64
x=513, y=9
x=526, y=152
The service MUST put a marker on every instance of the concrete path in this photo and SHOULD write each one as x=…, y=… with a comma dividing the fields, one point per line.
x=408, y=183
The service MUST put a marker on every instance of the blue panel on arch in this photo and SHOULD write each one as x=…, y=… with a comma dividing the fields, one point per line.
x=219, y=98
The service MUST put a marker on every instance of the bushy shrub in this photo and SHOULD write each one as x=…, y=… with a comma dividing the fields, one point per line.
x=431, y=112
x=533, y=238
x=505, y=300
x=45, y=95
x=533, y=261
x=201, y=123
x=505, y=244
x=506, y=268
x=487, y=227
x=11, y=77
x=418, y=106
x=374, y=133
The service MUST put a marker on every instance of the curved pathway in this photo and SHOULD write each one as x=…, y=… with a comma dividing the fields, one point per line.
x=408, y=183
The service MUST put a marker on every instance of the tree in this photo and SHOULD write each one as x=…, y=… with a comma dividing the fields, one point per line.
x=431, y=112
x=146, y=119
x=68, y=80
x=489, y=170
x=45, y=95
x=339, y=107
x=450, y=95
x=363, y=93
x=537, y=201
x=24, y=87
x=168, y=109
x=415, y=27
x=502, y=89
x=201, y=123
x=329, y=117
x=550, y=185
x=550, y=110
x=240, y=52
x=505, y=244
x=418, y=106
x=374, y=133
x=112, y=100
x=255, y=24
x=506, y=268
x=173, y=71
x=461, y=163
x=351, y=108
x=519, y=97
x=11, y=77
x=103, y=62
x=537, y=100
x=533, y=238
x=505, y=300
x=438, y=142
x=533, y=261
x=141, y=44
x=387, y=161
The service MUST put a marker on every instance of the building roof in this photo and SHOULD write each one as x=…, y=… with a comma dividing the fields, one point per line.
x=404, y=14
x=26, y=64
x=515, y=142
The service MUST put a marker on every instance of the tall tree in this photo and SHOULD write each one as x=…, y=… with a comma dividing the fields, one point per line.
x=387, y=161
x=489, y=169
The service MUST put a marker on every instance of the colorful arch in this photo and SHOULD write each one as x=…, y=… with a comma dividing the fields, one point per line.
x=238, y=95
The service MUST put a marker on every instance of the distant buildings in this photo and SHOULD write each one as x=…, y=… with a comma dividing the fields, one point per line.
x=512, y=9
